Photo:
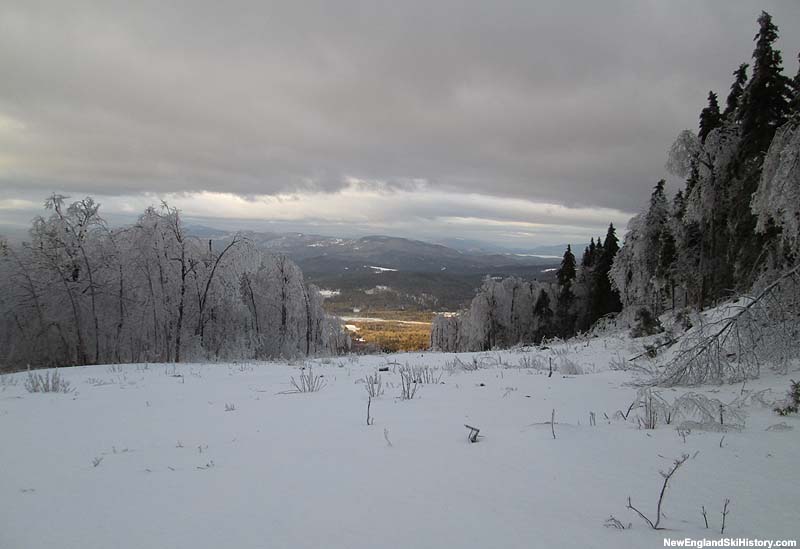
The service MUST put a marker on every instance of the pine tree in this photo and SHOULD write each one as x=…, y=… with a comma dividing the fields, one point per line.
x=737, y=88
x=710, y=117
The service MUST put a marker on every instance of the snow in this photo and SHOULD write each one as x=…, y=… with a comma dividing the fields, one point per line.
x=304, y=470
x=539, y=256
x=377, y=290
x=384, y=320
x=329, y=293
x=379, y=270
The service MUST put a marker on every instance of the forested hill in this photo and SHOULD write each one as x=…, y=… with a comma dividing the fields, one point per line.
x=408, y=274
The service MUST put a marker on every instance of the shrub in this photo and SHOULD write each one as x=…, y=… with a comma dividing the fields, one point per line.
x=374, y=385
x=408, y=385
x=51, y=382
x=569, y=367
x=307, y=382
x=424, y=375
x=792, y=402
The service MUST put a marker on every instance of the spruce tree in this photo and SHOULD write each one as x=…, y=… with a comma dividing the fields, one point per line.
x=667, y=254
x=566, y=277
x=710, y=117
x=656, y=220
x=765, y=102
x=737, y=88
x=544, y=314
x=763, y=107
x=606, y=299
x=610, y=244
x=679, y=205
x=588, y=255
x=566, y=273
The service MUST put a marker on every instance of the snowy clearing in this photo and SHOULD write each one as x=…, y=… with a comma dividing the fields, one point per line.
x=386, y=320
x=219, y=455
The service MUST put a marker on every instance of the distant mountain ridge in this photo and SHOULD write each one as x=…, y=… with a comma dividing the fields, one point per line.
x=318, y=254
x=410, y=274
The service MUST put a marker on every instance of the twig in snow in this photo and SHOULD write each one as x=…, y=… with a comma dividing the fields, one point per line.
x=473, y=433
x=724, y=514
x=386, y=436
x=553, y=423
x=613, y=522
x=705, y=517
x=667, y=475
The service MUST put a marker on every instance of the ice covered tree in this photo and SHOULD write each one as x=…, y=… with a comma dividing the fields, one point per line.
x=503, y=313
x=776, y=202
x=626, y=275
x=79, y=292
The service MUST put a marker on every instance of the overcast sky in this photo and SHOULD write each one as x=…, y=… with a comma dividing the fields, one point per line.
x=518, y=123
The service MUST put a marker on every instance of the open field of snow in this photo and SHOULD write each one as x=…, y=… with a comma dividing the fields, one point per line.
x=220, y=455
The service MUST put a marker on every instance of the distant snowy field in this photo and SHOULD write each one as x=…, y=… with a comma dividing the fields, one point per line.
x=147, y=456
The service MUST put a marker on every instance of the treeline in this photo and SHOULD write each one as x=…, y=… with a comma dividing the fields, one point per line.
x=736, y=219
x=511, y=311
x=735, y=223
x=80, y=292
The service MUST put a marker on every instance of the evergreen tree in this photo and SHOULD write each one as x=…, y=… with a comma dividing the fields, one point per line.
x=606, y=299
x=764, y=106
x=588, y=255
x=710, y=117
x=679, y=205
x=667, y=254
x=656, y=220
x=544, y=314
x=737, y=88
x=566, y=273
x=565, y=317
x=610, y=245
x=765, y=101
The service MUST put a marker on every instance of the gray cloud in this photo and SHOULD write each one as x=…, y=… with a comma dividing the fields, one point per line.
x=571, y=103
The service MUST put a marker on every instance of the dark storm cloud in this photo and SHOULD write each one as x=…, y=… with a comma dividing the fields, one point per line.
x=569, y=102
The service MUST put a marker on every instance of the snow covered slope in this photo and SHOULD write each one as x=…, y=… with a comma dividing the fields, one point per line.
x=147, y=456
